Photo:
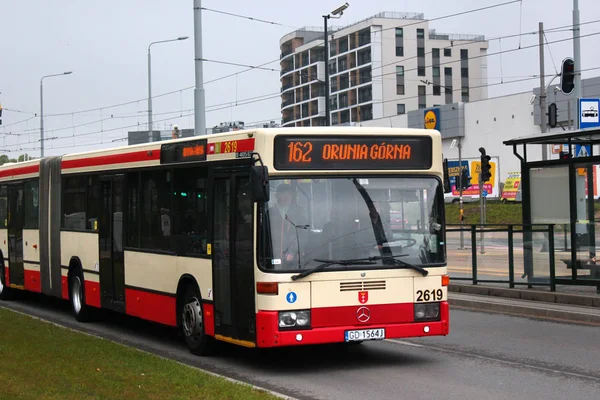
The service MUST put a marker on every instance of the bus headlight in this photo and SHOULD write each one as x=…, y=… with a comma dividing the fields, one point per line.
x=299, y=319
x=427, y=311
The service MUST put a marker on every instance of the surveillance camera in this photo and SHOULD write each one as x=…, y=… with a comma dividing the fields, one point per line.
x=532, y=99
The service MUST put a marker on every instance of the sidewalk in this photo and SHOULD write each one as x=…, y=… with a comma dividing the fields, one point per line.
x=569, y=307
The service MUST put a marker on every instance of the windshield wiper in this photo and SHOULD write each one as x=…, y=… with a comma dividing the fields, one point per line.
x=327, y=263
x=423, y=271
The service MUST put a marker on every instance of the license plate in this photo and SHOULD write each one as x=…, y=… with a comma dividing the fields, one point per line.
x=364, y=334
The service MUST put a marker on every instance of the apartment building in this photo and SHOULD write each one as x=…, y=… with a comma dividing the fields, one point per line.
x=385, y=65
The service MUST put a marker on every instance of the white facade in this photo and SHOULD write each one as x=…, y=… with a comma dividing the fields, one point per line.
x=385, y=65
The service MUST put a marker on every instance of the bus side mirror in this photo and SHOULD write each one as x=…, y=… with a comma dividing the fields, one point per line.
x=259, y=182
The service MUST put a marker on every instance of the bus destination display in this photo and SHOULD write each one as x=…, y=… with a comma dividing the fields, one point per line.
x=352, y=152
x=183, y=152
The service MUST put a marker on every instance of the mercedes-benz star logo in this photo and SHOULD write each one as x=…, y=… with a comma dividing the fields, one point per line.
x=363, y=314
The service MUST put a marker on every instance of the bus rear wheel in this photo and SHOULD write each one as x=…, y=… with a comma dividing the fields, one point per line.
x=77, y=296
x=192, y=323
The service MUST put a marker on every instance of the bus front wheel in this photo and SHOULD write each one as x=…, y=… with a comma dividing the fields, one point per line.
x=192, y=323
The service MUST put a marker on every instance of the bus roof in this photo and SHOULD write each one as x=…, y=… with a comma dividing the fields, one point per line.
x=219, y=146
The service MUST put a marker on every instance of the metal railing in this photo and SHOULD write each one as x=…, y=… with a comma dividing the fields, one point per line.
x=477, y=251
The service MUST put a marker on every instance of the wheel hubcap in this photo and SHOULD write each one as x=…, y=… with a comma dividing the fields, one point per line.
x=192, y=318
x=76, y=294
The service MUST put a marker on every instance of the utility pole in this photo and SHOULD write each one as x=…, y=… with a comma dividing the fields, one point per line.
x=460, y=194
x=577, y=90
x=542, y=90
x=199, y=105
x=326, y=40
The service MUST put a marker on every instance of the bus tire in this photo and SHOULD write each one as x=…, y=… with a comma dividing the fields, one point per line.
x=192, y=323
x=5, y=291
x=81, y=311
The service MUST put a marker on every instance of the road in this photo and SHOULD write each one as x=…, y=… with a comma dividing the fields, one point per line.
x=486, y=356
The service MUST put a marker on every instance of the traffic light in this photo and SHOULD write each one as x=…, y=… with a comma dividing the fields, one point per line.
x=567, y=76
x=466, y=179
x=447, y=188
x=552, y=115
x=486, y=175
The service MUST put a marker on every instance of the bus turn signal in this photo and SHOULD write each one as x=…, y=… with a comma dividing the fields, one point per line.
x=445, y=280
x=267, y=288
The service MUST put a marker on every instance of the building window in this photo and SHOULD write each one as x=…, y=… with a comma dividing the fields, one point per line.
x=447, y=52
x=399, y=51
x=333, y=103
x=399, y=70
x=464, y=72
x=344, y=100
x=421, y=71
x=448, y=71
x=436, y=72
x=437, y=90
x=464, y=54
x=435, y=53
x=420, y=52
x=422, y=97
x=400, y=89
x=420, y=33
x=399, y=32
x=400, y=109
x=465, y=94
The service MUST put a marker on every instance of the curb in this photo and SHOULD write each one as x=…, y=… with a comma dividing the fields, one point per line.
x=527, y=294
x=537, y=309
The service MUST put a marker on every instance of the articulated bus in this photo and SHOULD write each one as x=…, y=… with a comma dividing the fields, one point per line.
x=260, y=238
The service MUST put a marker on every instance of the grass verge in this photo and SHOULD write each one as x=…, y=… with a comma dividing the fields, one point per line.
x=496, y=213
x=44, y=361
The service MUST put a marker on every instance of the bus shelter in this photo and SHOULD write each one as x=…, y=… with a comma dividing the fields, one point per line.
x=563, y=191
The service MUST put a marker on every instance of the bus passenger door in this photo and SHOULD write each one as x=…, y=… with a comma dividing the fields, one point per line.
x=15, y=235
x=233, y=265
x=110, y=227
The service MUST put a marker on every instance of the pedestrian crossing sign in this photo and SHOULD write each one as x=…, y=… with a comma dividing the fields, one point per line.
x=582, y=150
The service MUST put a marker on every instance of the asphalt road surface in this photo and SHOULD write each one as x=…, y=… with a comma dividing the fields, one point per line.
x=486, y=356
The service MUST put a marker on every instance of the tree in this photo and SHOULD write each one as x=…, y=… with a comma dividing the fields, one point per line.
x=4, y=159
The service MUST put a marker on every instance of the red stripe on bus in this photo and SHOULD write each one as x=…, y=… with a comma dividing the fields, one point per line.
x=92, y=293
x=136, y=156
x=209, y=319
x=31, y=169
x=379, y=314
x=33, y=281
x=151, y=306
x=65, y=287
x=6, y=275
x=268, y=335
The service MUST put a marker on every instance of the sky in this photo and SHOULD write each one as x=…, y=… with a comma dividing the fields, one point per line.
x=105, y=44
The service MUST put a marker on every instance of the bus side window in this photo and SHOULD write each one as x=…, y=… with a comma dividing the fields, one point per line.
x=190, y=225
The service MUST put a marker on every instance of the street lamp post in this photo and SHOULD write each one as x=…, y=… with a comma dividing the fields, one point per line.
x=42, y=109
x=150, y=130
x=337, y=13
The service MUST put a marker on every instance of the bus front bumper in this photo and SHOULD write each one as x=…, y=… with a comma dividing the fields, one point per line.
x=269, y=335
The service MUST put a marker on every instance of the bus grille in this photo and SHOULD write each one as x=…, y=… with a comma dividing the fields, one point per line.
x=357, y=286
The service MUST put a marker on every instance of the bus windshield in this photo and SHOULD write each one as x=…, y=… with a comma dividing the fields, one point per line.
x=307, y=221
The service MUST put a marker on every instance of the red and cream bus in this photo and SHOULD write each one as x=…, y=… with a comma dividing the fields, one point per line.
x=261, y=238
